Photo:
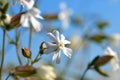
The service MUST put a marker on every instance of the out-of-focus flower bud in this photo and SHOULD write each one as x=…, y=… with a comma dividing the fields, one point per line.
x=26, y=52
x=98, y=38
x=7, y=19
x=25, y=71
x=42, y=47
x=15, y=21
x=51, y=17
x=103, y=73
x=101, y=25
x=102, y=60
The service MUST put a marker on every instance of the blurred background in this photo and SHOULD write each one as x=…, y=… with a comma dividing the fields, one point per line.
x=90, y=25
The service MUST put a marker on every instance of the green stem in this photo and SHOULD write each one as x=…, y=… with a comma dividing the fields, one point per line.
x=82, y=78
x=3, y=53
x=7, y=77
x=30, y=37
x=35, y=59
x=17, y=47
x=17, y=43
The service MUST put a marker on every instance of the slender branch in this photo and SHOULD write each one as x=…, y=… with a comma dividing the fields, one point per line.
x=3, y=53
x=30, y=37
x=17, y=47
x=8, y=76
x=17, y=42
x=84, y=73
x=35, y=2
x=35, y=59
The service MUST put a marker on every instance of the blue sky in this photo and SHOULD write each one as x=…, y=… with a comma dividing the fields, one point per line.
x=104, y=9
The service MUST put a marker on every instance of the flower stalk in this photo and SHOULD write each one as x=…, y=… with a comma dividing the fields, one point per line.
x=82, y=78
x=17, y=47
x=3, y=53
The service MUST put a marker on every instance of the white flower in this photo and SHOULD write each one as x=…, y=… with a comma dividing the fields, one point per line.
x=57, y=45
x=115, y=39
x=27, y=3
x=75, y=39
x=6, y=20
x=114, y=60
x=31, y=16
x=64, y=15
x=44, y=72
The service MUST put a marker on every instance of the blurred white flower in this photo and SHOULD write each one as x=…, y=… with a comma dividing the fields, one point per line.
x=115, y=39
x=64, y=15
x=75, y=39
x=31, y=16
x=6, y=20
x=114, y=60
x=57, y=45
x=44, y=72
x=27, y=3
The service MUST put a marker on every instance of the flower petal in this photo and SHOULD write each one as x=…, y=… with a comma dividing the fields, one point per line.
x=66, y=42
x=115, y=60
x=49, y=47
x=115, y=65
x=56, y=57
x=52, y=37
x=37, y=25
x=63, y=39
x=67, y=52
x=57, y=35
x=24, y=20
x=29, y=4
x=38, y=16
x=35, y=12
x=109, y=51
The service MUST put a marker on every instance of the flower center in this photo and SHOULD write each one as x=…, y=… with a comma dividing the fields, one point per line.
x=61, y=45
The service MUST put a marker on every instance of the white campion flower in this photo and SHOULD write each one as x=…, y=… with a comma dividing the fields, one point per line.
x=115, y=39
x=114, y=60
x=27, y=3
x=6, y=20
x=44, y=72
x=64, y=15
x=31, y=16
x=58, y=43
x=75, y=39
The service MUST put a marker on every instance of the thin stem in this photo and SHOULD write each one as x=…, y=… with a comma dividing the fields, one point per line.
x=84, y=74
x=3, y=53
x=35, y=59
x=7, y=77
x=35, y=2
x=30, y=37
x=17, y=47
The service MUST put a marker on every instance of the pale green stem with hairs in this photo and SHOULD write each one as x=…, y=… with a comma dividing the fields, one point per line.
x=3, y=53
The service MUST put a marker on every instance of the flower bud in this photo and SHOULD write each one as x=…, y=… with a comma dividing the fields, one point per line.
x=102, y=60
x=41, y=48
x=26, y=52
x=15, y=21
x=25, y=71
